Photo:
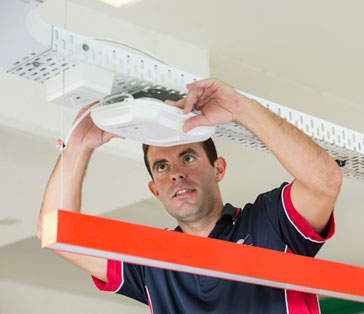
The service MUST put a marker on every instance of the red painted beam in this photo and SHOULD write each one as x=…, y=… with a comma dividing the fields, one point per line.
x=91, y=235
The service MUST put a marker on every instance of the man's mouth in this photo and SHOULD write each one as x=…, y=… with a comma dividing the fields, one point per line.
x=183, y=191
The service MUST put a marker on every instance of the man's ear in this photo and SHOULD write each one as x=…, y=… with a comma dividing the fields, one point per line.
x=220, y=167
x=153, y=189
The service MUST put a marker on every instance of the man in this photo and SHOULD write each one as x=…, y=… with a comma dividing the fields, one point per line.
x=294, y=218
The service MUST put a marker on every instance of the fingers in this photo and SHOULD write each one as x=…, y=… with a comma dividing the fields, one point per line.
x=119, y=136
x=83, y=109
x=187, y=104
x=107, y=136
x=192, y=122
x=206, y=83
x=199, y=120
x=191, y=101
x=90, y=105
x=179, y=104
x=198, y=94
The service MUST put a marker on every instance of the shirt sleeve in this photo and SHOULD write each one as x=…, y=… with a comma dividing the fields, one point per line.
x=124, y=278
x=295, y=232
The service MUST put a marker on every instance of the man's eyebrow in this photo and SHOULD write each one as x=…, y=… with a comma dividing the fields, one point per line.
x=157, y=162
x=188, y=151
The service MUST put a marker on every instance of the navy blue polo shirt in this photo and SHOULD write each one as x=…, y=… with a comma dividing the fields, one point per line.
x=270, y=222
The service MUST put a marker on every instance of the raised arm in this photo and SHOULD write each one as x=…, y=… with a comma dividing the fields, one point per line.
x=317, y=176
x=84, y=140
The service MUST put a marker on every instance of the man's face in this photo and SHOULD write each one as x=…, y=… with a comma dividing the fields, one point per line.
x=184, y=180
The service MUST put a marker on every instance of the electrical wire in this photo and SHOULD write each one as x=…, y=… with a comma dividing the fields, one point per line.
x=62, y=145
x=62, y=118
x=131, y=47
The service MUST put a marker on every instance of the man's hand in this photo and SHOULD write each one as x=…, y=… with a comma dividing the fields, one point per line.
x=218, y=102
x=87, y=134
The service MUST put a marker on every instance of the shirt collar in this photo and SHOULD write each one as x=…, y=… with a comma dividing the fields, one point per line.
x=228, y=211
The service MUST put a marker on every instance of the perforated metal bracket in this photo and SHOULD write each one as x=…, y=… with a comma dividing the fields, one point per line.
x=20, y=47
x=131, y=70
x=134, y=73
x=344, y=145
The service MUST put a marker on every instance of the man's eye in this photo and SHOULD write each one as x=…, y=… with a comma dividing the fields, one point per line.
x=161, y=167
x=189, y=158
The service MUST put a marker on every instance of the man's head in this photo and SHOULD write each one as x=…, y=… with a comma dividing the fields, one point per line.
x=207, y=145
x=185, y=178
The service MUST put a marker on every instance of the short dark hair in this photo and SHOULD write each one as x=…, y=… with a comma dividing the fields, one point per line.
x=208, y=146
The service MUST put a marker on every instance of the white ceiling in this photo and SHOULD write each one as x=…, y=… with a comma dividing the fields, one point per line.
x=305, y=55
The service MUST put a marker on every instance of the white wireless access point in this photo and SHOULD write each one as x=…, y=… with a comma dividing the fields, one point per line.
x=147, y=120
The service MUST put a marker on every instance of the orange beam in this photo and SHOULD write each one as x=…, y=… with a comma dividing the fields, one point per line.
x=95, y=236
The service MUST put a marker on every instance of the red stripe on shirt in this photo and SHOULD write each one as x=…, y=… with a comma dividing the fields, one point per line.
x=237, y=213
x=114, y=277
x=300, y=223
x=300, y=302
x=149, y=300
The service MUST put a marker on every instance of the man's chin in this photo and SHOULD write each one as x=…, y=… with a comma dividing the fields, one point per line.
x=180, y=210
x=185, y=214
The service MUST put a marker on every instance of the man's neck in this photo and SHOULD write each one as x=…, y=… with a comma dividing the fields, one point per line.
x=202, y=227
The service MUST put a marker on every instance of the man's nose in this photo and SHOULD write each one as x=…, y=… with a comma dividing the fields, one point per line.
x=177, y=174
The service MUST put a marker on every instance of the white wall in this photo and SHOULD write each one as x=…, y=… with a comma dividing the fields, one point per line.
x=19, y=298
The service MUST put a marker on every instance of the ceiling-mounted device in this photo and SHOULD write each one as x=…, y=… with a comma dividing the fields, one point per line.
x=142, y=116
x=147, y=120
x=38, y=51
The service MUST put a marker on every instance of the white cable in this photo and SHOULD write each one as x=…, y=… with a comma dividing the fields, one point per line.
x=133, y=48
x=62, y=119
x=61, y=170
x=106, y=100
x=63, y=145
